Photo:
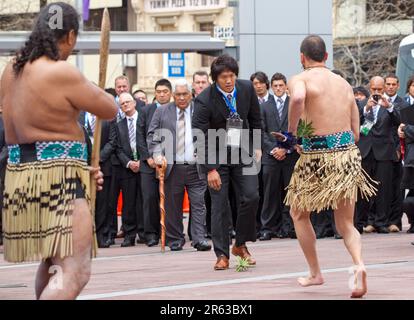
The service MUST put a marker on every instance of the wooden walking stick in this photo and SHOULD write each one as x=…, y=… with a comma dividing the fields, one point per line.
x=103, y=65
x=161, y=169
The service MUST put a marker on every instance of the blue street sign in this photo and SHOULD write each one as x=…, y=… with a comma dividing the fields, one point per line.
x=176, y=65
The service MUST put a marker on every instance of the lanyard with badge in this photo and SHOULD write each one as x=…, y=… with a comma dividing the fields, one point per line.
x=234, y=122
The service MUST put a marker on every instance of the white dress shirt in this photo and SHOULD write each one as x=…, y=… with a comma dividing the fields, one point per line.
x=189, y=146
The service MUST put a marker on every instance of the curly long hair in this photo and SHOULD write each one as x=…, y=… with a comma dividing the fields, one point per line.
x=43, y=40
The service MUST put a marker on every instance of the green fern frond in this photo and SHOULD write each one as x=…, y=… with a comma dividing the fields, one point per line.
x=305, y=129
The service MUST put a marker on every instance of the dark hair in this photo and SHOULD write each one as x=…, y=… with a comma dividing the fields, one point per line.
x=138, y=91
x=392, y=76
x=223, y=63
x=43, y=40
x=279, y=76
x=163, y=82
x=261, y=77
x=111, y=91
x=410, y=82
x=362, y=90
x=200, y=73
x=313, y=47
x=339, y=73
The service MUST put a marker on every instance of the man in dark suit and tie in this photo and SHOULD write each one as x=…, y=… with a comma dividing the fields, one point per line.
x=103, y=214
x=128, y=155
x=225, y=108
x=392, y=85
x=149, y=183
x=278, y=164
x=377, y=146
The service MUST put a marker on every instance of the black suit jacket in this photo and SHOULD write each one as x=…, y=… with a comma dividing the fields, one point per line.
x=211, y=112
x=144, y=121
x=107, y=146
x=271, y=122
x=381, y=138
x=123, y=150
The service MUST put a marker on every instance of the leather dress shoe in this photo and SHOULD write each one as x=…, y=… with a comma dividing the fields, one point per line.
x=369, y=229
x=243, y=253
x=102, y=242
x=110, y=242
x=393, y=228
x=120, y=234
x=152, y=242
x=141, y=241
x=411, y=229
x=176, y=246
x=128, y=242
x=360, y=229
x=222, y=263
x=383, y=230
x=265, y=236
x=337, y=236
x=203, y=246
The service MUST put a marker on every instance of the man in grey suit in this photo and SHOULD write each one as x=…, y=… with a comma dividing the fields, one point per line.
x=170, y=136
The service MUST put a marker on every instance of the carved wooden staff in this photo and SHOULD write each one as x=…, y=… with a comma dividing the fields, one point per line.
x=103, y=65
x=161, y=169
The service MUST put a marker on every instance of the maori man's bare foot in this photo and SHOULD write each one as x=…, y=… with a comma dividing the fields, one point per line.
x=359, y=288
x=311, y=281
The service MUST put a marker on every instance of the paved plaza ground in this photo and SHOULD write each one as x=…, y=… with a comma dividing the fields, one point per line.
x=143, y=273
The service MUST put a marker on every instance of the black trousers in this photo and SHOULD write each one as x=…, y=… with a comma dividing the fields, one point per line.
x=408, y=207
x=261, y=199
x=376, y=211
x=115, y=190
x=397, y=195
x=150, y=205
x=103, y=213
x=324, y=224
x=275, y=215
x=132, y=213
x=247, y=186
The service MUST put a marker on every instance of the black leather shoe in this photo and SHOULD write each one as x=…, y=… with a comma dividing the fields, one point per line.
x=360, y=229
x=141, y=241
x=128, y=242
x=265, y=236
x=337, y=236
x=203, y=246
x=411, y=230
x=110, y=242
x=102, y=242
x=319, y=235
x=152, y=242
x=382, y=230
x=176, y=246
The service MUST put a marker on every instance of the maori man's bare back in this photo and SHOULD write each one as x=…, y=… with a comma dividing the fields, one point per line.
x=326, y=100
x=42, y=96
x=329, y=102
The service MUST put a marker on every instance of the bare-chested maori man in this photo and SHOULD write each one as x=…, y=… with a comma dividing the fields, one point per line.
x=328, y=173
x=46, y=212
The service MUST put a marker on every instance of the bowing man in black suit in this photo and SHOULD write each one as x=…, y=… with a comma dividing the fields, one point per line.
x=378, y=119
x=149, y=182
x=128, y=155
x=224, y=105
x=278, y=163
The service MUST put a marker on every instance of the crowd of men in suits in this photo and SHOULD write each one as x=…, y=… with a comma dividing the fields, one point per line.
x=130, y=144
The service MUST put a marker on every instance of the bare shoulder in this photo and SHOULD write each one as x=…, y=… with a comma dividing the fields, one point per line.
x=63, y=72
